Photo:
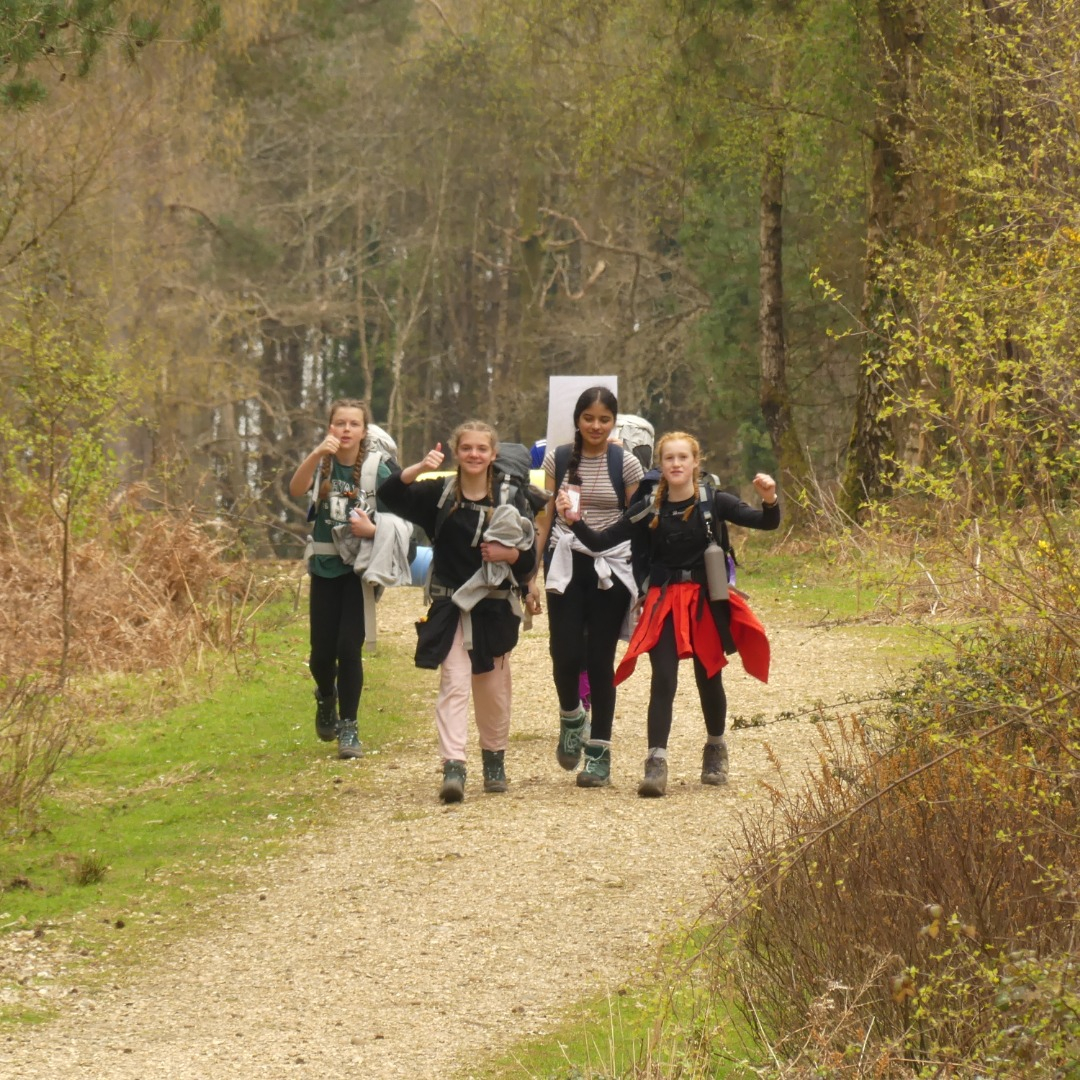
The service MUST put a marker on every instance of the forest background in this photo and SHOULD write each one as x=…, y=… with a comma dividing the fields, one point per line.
x=836, y=239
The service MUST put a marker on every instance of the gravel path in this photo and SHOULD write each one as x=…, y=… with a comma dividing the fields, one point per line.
x=418, y=939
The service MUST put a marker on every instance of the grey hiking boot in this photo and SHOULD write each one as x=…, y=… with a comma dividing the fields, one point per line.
x=494, y=772
x=655, y=783
x=596, y=771
x=573, y=732
x=714, y=763
x=453, y=781
x=326, y=717
x=348, y=743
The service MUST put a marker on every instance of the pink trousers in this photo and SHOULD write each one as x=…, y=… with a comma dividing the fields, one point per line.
x=491, y=702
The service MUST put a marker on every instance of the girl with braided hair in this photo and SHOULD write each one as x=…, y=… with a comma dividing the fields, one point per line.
x=332, y=473
x=475, y=614
x=590, y=589
x=671, y=530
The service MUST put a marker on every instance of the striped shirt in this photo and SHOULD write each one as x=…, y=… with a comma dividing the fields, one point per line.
x=599, y=503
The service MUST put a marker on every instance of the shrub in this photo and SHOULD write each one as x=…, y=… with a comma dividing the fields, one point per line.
x=891, y=897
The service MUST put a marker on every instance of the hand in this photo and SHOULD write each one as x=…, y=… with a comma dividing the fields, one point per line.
x=329, y=445
x=491, y=551
x=432, y=462
x=565, y=507
x=433, y=459
x=361, y=525
x=532, y=598
x=765, y=486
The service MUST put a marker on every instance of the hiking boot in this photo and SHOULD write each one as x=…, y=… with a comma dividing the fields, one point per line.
x=326, y=717
x=348, y=743
x=714, y=763
x=655, y=783
x=453, y=781
x=573, y=732
x=596, y=772
x=494, y=773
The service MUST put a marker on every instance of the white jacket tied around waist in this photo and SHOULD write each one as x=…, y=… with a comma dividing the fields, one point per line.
x=612, y=564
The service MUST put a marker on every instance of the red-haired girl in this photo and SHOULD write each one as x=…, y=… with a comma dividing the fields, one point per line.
x=670, y=531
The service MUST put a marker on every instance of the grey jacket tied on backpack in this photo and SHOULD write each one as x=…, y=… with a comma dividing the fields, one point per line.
x=511, y=529
x=379, y=561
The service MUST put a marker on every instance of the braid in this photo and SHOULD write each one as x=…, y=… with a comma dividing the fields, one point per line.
x=572, y=475
x=658, y=500
x=324, y=478
x=457, y=492
x=358, y=464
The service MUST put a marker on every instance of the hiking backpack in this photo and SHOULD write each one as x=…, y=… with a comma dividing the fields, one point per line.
x=380, y=447
x=510, y=485
x=636, y=435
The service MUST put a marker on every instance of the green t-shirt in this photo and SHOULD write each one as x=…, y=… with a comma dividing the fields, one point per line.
x=335, y=509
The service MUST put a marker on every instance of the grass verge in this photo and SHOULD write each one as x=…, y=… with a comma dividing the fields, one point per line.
x=159, y=812
x=624, y=1034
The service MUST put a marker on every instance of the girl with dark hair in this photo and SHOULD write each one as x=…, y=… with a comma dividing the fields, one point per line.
x=589, y=590
x=673, y=529
x=481, y=556
x=332, y=472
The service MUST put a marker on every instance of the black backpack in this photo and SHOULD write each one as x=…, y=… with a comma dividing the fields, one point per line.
x=511, y=484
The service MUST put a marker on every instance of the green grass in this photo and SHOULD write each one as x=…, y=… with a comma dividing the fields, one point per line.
x=668, y=1024
x=159, y=811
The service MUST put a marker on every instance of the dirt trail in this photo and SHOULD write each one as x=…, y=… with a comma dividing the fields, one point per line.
x=415, y=939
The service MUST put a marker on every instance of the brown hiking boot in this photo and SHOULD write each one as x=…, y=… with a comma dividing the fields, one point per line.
x=655, y=783
x=714, y=763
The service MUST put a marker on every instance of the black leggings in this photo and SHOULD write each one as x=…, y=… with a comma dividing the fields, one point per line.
x=337, y=637
x=584, y=624
x=665, y=681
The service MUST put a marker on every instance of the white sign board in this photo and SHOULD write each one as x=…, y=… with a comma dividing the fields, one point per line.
x=563, y=393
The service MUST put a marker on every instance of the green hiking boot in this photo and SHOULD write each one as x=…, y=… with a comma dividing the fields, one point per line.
x=326, y=717
x=714, y=763
x=494, y=771
x=573, y=732
x=596, y=772
x=655, y=782
x=453, y=781
x=348, y=743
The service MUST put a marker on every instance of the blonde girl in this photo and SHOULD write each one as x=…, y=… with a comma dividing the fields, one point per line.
x=470, y=642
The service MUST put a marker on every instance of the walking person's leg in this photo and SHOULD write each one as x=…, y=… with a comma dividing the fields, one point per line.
x=566, y=624
x=605, y=612
x=492, y=700
x=324, y=614
x=452, y=717
x=714, y=755
x=664, y=658
x=350, y=665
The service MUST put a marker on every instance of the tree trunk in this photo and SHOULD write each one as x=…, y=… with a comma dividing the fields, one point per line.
x=902, y=28
x=775, y=396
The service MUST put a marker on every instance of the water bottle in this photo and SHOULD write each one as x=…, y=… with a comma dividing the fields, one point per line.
x=716, y=571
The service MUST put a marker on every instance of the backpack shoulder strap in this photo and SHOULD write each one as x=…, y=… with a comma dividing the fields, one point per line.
x=369, y=472
x=615, y=458
x=705, y=505
x=562, y=463
x=444, y=506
